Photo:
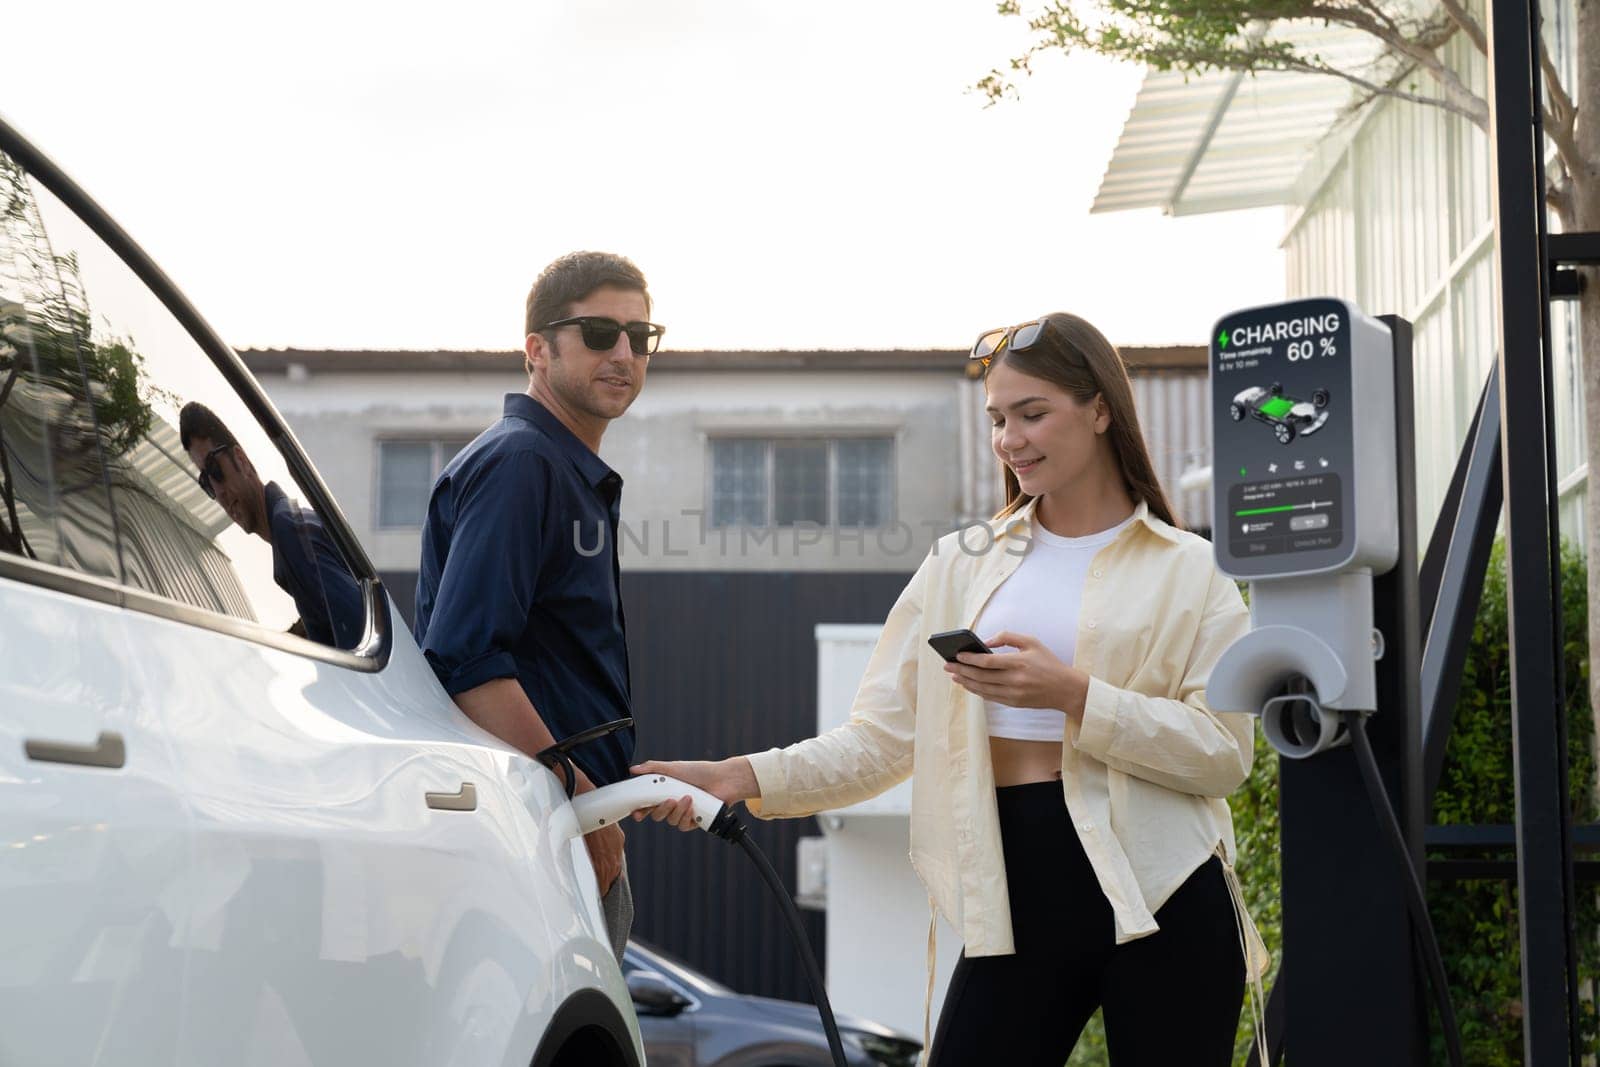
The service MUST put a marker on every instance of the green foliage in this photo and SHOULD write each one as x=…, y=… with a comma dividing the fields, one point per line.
x=94, y=398
x=1090, y=1051
x=1252, y=36
x=1255, y=830
x=1476, y=921
x=46, y=333
x=1193, y=36
x=115, y=373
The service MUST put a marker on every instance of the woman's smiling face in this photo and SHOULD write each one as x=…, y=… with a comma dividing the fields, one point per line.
x=1043, y=433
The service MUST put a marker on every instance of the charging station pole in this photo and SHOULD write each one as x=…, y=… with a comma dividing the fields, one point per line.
x=1352, y=985
x=1314, y=504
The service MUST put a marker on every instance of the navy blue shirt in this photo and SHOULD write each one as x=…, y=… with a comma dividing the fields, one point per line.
x=519, y=579
x=307, y=565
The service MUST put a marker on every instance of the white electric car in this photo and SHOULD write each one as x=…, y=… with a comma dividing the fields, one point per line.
x=240, y=821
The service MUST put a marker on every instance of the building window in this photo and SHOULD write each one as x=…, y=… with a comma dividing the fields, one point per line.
x=792, y=481
x=406, y=473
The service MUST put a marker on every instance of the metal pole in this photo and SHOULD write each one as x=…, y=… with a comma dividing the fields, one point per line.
x=1553, y=504
x=1543, y=851
x=1453, y=575
x=1396, y=612
x=1337, y=966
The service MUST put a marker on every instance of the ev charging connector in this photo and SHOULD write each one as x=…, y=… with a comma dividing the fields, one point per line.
x=610, y=804
x=1303, y=490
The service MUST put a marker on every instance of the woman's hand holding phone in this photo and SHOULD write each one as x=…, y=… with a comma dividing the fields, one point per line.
x=1030, y=677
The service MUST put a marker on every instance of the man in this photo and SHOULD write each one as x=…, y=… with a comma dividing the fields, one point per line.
x=306, y=563
x=519, y=605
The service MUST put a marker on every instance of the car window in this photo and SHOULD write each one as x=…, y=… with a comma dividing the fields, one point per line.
x=55, y=506
x=117, y=396
x=649, y=957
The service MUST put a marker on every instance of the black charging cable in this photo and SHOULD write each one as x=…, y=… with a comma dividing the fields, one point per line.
x=1421, y=924
x=728, y=827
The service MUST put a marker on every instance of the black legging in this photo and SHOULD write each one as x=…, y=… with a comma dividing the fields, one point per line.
x=1170, y=998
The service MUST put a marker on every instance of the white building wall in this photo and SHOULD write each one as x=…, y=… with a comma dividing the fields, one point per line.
x=661, y=448
x=945, y=472
x=1403, y=224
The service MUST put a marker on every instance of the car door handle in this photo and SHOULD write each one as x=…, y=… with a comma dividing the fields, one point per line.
x=463, y=799
x=107, y=751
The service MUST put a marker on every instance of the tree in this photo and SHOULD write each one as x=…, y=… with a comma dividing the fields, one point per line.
x=82, y=377
x=1200, y=36
x=95, y=394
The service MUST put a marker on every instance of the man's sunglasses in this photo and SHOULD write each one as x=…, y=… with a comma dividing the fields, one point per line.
x=600, y=333
x=211, y=471
x=991, y=343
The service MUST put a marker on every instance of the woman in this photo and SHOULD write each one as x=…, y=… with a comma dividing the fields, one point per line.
x=1067, y=795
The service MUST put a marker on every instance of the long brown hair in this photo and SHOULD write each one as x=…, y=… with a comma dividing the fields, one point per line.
x=1077, y=357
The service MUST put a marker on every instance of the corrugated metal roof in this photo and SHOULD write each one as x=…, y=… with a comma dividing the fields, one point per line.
x=155, y=461
x=1221, y=141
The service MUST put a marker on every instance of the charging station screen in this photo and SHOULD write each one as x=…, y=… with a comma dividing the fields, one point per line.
x=1280, y=387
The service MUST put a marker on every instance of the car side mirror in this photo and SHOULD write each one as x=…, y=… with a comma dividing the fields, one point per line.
x=653, y=995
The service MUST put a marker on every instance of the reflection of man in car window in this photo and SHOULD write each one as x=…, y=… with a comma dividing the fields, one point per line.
x=305, y=562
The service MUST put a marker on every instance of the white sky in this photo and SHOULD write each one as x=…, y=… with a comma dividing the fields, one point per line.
x=788, y=175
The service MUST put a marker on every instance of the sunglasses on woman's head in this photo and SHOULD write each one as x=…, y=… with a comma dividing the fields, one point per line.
x=991, y=343
x=211, y=471
x=600, y=333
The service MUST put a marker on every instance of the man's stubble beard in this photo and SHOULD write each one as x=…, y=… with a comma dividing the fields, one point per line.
x=580, y=395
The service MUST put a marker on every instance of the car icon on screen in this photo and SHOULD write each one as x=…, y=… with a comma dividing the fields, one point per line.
x=1288, y=417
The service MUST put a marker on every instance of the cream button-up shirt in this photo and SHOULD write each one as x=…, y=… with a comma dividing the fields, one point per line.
x=1144, y=774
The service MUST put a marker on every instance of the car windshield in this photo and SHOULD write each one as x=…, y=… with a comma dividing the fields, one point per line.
x=650, y=957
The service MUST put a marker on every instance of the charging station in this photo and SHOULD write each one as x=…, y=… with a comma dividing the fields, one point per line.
x=1304, y=506
x=1347, y=988
x=1314, y=505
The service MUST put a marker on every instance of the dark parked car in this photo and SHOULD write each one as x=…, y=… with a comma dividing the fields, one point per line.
x=688, y=1020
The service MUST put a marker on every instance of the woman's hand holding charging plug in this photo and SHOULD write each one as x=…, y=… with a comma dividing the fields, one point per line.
x=730, y=781
x=1030, y=677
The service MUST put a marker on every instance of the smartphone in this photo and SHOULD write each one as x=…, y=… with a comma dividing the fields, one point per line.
x=951, y=643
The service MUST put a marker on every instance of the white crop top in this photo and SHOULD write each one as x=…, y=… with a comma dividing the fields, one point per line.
x=1041, y=598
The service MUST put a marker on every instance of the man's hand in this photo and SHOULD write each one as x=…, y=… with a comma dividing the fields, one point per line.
x=501, y=707
x=605, y=852
x=730, y=781
x=604, y=845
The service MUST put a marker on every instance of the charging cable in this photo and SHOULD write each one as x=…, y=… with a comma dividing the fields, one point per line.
x=1421, y=924
x=613, y=803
